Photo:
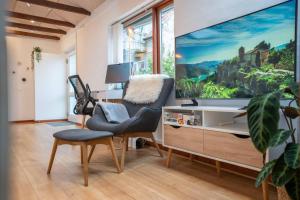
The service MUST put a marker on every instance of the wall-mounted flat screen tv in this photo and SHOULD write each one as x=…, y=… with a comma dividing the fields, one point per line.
x=247, y=56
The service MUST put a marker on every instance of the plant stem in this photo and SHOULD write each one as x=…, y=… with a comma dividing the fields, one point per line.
x=285, y=117
x=293, y=136
x=291, y=102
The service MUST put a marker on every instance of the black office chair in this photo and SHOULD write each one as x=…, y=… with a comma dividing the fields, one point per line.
x=83, y=98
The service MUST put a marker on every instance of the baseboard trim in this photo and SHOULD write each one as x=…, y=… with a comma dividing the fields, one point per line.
x=22, y=122
x=51, y=120
x=248, y=173
x=37, y=121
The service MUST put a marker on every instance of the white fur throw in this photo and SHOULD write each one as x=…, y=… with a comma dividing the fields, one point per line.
x=144, y=89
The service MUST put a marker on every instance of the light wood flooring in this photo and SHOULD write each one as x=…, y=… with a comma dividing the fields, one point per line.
x=145, y=175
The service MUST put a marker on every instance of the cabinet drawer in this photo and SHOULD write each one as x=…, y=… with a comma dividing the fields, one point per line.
x=228, y=146
x=190, y=139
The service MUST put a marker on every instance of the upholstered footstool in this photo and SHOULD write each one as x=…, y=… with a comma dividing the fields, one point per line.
x=83, y=138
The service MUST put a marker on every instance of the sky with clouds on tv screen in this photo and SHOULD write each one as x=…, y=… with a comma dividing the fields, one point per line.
x=275, y=25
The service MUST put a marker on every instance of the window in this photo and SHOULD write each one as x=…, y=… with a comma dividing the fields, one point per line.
x=146, y=40
x=167, y=41
x=137, y=45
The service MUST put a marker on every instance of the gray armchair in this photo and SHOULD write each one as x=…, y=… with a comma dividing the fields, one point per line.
x=143, y=121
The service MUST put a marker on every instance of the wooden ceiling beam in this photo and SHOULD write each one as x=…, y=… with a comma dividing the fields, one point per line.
x=59, y=6
x=35, y=28
x=39, y=19
x=21, y=33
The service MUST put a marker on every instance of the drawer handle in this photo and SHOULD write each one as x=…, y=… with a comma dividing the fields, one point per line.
x=176, y=126
x=241, y=136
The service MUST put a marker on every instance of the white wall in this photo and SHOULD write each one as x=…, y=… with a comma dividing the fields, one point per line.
x=21, y=94
x=192, y=15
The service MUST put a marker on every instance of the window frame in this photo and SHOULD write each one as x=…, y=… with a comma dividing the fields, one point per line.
x=156, y=34
x=155, y=12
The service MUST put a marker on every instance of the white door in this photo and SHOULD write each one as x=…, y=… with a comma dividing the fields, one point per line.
x=50, y=87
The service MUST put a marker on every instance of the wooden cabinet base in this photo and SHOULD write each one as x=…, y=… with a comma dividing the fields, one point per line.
x=265, y=185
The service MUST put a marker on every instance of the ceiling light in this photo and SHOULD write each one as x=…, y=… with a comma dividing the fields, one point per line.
x=32, y=21
x=28, y=4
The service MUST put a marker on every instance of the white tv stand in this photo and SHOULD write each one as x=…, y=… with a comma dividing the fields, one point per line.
x=216, y=134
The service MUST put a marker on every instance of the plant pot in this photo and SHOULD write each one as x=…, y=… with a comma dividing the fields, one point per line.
x=282, y=194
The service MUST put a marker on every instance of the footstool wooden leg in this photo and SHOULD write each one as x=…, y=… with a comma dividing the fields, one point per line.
x=54, y=148
x=91, y=152
x=114, y=155
x=85, y=163
x=81, y=155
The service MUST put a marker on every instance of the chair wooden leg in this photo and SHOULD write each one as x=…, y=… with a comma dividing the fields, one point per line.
x=114, y=155
x=91, y=152
x=81, y=155
x=85, y=163
x=125, y=144
x=83, y=121
x=54, y=148
x=170, y=151
x=156, y=146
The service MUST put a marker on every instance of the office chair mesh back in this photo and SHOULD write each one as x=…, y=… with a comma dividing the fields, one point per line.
x=80, y=91
x=82, y=95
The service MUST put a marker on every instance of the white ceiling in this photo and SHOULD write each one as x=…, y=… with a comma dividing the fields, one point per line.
x=41, y=11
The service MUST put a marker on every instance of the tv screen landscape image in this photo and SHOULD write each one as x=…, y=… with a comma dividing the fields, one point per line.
x=247, y=56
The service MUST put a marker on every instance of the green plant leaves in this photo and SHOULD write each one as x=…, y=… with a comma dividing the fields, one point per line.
x=292, y=155
x=279, y=137
x=282, y=173
x=293, y=187
x=265, y=172
x=263, y=117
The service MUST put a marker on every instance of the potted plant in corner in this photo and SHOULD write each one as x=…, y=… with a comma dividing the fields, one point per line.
x=263, y=114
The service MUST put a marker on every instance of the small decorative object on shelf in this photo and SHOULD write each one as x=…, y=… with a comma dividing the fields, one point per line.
x=183, y=118
x=36, y=54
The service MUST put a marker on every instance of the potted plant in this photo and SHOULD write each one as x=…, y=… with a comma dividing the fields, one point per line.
x=263, y=115
x=36, y=54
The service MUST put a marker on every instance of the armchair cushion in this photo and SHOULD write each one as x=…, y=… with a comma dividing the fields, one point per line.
x=114, y=112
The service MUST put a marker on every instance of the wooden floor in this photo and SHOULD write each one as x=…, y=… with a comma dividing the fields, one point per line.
x=145, y=176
